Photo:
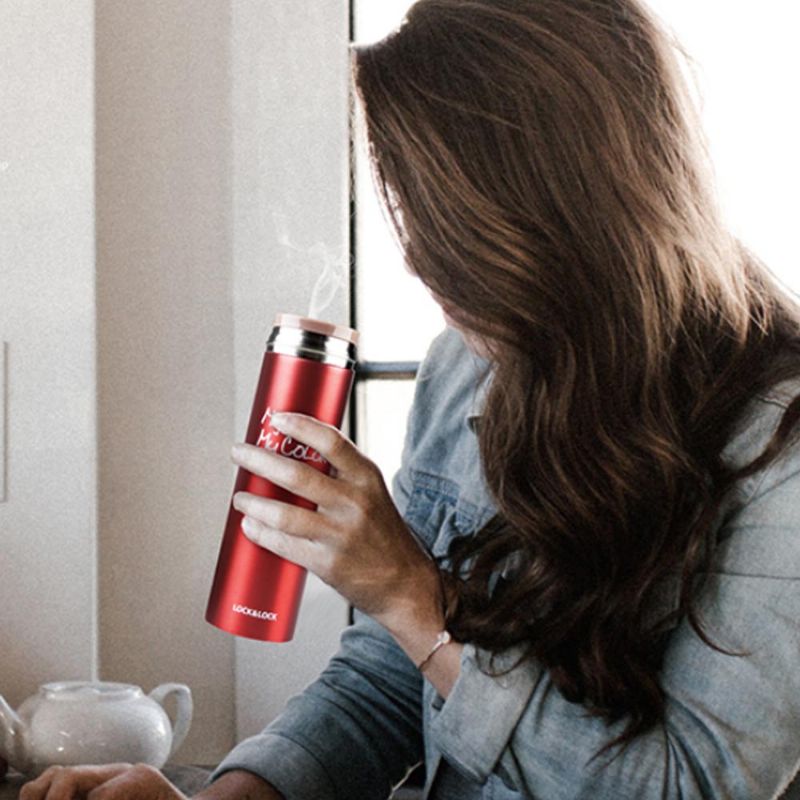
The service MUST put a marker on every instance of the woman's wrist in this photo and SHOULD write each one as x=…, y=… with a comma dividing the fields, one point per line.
x=440, y=664
x=417, y=621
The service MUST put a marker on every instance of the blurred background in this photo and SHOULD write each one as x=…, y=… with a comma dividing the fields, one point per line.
x=172, y=175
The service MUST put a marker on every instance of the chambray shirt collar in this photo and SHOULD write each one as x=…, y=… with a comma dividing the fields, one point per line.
x=478, y=397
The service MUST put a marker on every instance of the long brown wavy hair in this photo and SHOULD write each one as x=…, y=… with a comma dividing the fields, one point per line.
x=543, y=164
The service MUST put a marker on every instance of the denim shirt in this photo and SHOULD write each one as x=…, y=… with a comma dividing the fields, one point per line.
x=732, y=723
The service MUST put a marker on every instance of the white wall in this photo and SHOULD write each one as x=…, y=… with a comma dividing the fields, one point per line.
x=290, y=215
x=165, y=359
x=47, y=317
x=221, y=184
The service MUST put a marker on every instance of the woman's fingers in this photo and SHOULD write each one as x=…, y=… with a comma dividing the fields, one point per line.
x=327, y=440
x=288, y=473
x=291, y=519
x=355, y=540
x=66, y=783
x=296, y=549
x=308, y=440
x=101, y=782
x=140, y=782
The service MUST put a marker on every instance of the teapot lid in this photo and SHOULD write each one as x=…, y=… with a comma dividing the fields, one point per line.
x=90, y=690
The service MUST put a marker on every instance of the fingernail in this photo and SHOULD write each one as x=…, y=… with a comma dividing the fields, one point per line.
x=248, y=526
x=236, y=451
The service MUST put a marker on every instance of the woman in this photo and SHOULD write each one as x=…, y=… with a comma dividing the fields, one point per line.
x=601, y=462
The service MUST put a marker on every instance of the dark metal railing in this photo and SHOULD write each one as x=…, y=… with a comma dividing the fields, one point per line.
x=386, y=370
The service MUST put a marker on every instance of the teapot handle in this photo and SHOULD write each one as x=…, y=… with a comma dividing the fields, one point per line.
x=183, y=716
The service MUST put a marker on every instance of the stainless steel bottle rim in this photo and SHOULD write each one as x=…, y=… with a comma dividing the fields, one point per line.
x=315, y=346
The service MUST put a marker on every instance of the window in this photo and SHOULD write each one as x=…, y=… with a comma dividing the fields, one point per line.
x=746, y=67
x=396, y=332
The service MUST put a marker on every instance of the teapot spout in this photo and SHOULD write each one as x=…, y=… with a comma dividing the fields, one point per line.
x=11, y=737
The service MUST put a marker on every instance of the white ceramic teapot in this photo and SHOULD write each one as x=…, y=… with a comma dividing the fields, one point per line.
x=93, y=722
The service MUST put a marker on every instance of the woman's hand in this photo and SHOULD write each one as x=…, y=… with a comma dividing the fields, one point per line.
x=102, y=782
x=356, y=540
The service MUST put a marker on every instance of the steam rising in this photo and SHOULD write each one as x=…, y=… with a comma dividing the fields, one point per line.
x=334, y=266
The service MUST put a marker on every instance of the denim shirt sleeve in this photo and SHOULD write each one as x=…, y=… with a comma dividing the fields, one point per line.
x=353, y=733
x=731, y=724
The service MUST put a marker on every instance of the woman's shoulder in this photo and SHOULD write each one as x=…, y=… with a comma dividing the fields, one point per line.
x=759, y=524
x=756, y=427
x=449, y=361
x=448, y=386
x=441, y=448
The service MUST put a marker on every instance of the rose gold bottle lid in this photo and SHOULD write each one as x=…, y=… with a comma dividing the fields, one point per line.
x=317, y=326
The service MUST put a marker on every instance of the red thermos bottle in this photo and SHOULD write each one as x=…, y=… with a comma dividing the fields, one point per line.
x=308, y=367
